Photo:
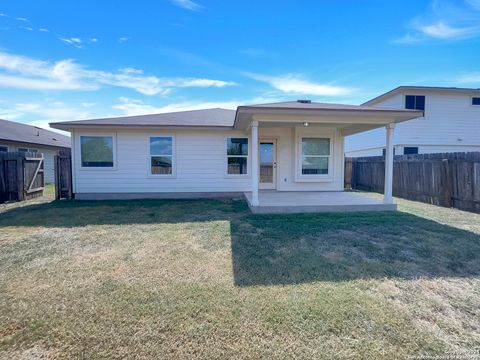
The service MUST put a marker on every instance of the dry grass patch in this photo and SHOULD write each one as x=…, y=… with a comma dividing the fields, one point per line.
x=207, y=279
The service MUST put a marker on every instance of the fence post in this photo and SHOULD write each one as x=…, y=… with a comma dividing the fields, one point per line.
x=57, y=177
x=20, y=177
x=348, y=173
x=447, y=184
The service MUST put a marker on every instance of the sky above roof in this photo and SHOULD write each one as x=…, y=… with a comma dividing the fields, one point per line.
x=65, y=60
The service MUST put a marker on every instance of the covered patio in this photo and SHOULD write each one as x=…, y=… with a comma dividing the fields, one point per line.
x=308, y=167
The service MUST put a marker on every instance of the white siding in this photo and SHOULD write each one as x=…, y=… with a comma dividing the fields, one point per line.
x=49, y=165
x=200, y=164
x=450, y=123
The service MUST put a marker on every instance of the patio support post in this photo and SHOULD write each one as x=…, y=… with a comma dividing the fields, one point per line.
x=388, y=191
x=254, y=126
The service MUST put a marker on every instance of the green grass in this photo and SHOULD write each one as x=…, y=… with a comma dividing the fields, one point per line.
x=207, y=279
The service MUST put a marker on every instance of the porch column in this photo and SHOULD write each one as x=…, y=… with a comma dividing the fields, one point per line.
x=387, y=195
x=254, y=158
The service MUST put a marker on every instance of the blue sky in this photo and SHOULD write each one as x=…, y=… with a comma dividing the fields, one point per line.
x=67, y=60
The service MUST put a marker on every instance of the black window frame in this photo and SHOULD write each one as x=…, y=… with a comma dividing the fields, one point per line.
x=475, y=100
x=413, y=102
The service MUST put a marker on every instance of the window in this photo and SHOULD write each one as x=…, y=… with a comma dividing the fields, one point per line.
x=315, y=156
x=96, y=151
x=161, y=155
x=384, y=151
x=3, y=148
x=237, y=156
x=27, y=150
x=475, y=100
x=407, y=150
x=415, y=102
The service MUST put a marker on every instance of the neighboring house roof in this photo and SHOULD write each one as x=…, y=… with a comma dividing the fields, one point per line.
x=402, y=89
x=223, y=117
x=14, y=131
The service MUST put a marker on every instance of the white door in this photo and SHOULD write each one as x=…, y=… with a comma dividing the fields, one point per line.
x=268, y=164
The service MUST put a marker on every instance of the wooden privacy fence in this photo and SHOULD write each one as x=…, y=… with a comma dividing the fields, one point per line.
x=63, y=176
x=21, y=176
x=445, y=179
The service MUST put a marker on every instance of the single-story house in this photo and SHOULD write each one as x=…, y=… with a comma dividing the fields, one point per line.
x=18, y=137
x=285, y=156
x=451, y=122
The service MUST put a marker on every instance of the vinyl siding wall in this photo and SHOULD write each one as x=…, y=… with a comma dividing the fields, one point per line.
x=200, y=164
x=450, y=123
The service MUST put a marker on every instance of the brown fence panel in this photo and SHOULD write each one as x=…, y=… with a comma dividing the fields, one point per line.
x=445, y=179
x=63, y=177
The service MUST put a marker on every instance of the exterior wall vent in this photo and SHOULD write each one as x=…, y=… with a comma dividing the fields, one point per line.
x=304, y=101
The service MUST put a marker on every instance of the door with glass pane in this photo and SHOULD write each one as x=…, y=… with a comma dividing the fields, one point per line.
x=268, y=164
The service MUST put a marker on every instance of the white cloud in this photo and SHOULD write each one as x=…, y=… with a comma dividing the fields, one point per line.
x=28, y=28
x=75, y=41
x=123, y=39
x=445, y=20
x=3, y=15
x=43, y=113
x=297, y=84
x=440, y=30
x=26, y=73
x=132, y=107
x=187, y=4
x=43, y=30
x=472, y=78
x=22, y=19
x=94, y=40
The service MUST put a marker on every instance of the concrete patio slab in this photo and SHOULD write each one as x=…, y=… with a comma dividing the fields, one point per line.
x=315, y=201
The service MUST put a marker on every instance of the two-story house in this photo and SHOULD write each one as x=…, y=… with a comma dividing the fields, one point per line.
x=451, y=122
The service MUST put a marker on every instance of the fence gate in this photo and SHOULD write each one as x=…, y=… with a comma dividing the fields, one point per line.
x=63, y=177
x=21, y=176
x=33, y=174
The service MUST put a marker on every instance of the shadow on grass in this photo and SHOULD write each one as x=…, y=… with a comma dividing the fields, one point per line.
x=290, y=249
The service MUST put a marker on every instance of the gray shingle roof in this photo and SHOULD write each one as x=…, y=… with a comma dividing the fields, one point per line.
x=202, y=118
x=302, y=105
x=218, y=117
x=13, y=131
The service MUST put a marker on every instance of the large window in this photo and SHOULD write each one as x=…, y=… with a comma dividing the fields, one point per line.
x=415, y=102
x=3, y=148
x=161, y=155
x=96, y=151
x=237, y=156
x=315, y=156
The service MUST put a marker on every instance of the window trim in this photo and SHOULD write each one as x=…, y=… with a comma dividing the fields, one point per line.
x=28, y=149
x=299, y=176
x=248, y=156
x=149, y=157
x=94, y=168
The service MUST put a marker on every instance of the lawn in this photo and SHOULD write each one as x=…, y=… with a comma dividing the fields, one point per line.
x=207, y=279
